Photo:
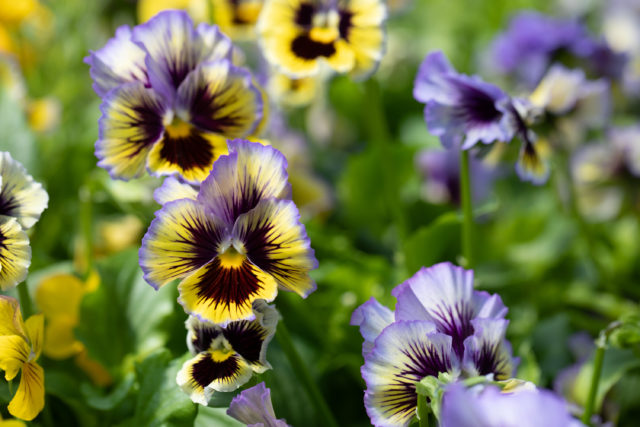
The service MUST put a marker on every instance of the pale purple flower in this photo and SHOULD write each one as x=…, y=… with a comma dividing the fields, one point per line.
x=490, y=407
x=254, y=408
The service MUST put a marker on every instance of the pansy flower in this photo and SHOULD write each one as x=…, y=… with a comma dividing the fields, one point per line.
x=226, y=356
x=488, y=406
x=236, y=242
x=440, y=325
x=253, y=407
x=20, y=347
x=463, y=111
x=22, y=201
x=460, y=109
x=171, y=98
x=347, y=35
x=237, y=18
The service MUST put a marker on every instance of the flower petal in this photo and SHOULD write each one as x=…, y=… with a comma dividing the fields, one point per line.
x=404, y=353
x=209, y=372
x=29, y=399
x=372, y=317
x=181, y=239
x=14, y=353
x=253, y=407
x=172, y=189
x=251, y=172
x=174, y=48
x=20, y=196
x=11, y=322
x=15, y=253
x=487, y=351
x=444, y=294
x=34, y=327
x=531, y=166
x=131, y=122
x=276, y=241
x=250, y=338
x=119, y=61
x=59, y=295
x=220, y=292
x=190, y=153
x=220, y=97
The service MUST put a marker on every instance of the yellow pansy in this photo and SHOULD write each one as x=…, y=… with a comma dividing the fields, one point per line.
x=20, y=347
x=59, y=296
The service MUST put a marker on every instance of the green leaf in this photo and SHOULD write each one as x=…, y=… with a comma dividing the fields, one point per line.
x=214, y=417
x=160, y=401
x=125, y=316
x=439, y=241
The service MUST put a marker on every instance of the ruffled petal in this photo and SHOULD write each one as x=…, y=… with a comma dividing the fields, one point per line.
x=224, y=289
x=444, y=294
x=531, y=166
x=181, y=239
x=29, y=398
x=174, y=48
x=15, y=253
x=209, y=372
x=404, y=353
x=119, y=61
x=276, y=241
x=131, y=122
x=20, y=196
x=251, y=172
x=361, y=25
x=250, y=338
x=487, y=351
x=220, y=97
x=172, y=189
x=187, y=151
x=372, y=317
x=253, y=407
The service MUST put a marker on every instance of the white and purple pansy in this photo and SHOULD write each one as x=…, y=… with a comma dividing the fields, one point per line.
x=440, y=325
x=171, y=97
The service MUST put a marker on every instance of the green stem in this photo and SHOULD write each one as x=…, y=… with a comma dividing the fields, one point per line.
x=86, y=215
x=423, y=412
x=467, y=210
x=302, y=373
x=26, y=305
x=595, y=379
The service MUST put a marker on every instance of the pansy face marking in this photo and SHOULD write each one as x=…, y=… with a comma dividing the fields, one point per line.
x=171, y=98
x=300, y=35
x=226, y=356
x=235, y=242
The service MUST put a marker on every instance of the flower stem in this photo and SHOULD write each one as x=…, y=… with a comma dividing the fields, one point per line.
x=467, y=209
x=601, y=344
x=423, y=412
x=299, y=367
x=26, y=305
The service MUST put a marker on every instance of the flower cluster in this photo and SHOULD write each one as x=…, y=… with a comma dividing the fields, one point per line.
x=22, y=200
x=443, y=329
x=464, y=111
x=440, y=325
x=171, y=98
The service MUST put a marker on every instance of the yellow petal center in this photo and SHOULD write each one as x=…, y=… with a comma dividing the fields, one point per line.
x=231, y=258
x=178, y=129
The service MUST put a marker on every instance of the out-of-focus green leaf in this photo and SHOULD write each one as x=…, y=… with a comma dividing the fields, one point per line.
x=15, y=136
x=550, y=340
x=124, y=316
x=208, y=417
x=97, y=399
x=160, y=402
x=438, y=241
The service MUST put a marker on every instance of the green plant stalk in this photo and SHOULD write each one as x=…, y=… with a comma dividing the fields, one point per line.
x=26, y=305
x=299, y=367
x=595, y=379
x=467, y=209
x=423, y=411
x=86, y=218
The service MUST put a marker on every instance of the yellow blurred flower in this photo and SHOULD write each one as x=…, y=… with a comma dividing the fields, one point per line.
x=59, y=296
x=11, y=423
x=43, y=114
x=20, y=347
x=293, y=92
x=197, y=9
x=13, y=12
